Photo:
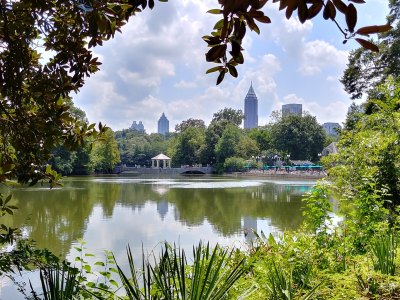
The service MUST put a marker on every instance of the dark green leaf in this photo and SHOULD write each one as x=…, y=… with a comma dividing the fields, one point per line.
x=340, y=5
x=373, y=29
x=368, y=45
x=351, y=17
x=216, y=52
x=220, y=76
x=314, y=10
x=233, y=71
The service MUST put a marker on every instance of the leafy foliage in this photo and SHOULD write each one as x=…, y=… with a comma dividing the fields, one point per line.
x=366, y=70
x=188, y=146
x=300, y=136
x=225, y=42
x=105, y=155
x=189, y=123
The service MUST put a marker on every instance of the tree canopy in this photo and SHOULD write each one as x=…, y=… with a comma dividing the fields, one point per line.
x=365, y=69
x=34, y=89
x=300, y=136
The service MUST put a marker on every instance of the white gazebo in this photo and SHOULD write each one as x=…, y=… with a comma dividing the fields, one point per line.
x=155, y=161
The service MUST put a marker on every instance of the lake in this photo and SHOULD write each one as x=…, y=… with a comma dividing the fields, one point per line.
x=108, y=213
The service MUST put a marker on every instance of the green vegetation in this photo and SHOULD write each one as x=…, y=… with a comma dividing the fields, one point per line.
x=355, y=260
x=194, y=143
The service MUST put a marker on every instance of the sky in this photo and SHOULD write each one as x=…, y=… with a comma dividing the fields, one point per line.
x=157, y=65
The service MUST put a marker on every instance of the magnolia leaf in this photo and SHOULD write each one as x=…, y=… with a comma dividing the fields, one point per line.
x=373, y=29
x=340, y=5
x=314, y=10
x=220, y=76
x=329, y=11
x=151, y=4
x=214, y=69
x=302, y=11
x=216, y=52
x=351, y=17
x=332, y=9
x=291, y=7
x=283, y=4
x=215, y=11
x=368, y=45
x=263, y=19
x=233, y=71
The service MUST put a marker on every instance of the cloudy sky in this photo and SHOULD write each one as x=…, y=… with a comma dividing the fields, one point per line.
x=158, y=65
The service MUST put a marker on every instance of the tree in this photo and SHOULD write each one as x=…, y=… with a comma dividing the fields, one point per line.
x=188, y=147
x=262, y=136
x=228, y=115
x=247, y=147
x=34, y=91
x=365, y=69
x=74, y=162
x=300, y=136
x=189, y=123
x=366, y=170
x=105, y=155
x=226, y=146
x=137, y=148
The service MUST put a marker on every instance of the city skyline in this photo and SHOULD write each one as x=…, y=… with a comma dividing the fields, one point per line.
x=161, y=67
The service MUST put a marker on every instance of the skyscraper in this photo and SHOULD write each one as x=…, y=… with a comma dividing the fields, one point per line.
x=163, y=124
x=250, y=109
x=292, y=109
x=138, y=126
x=330, y=128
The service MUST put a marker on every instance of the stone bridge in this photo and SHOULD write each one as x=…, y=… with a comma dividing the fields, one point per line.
x=183, y=170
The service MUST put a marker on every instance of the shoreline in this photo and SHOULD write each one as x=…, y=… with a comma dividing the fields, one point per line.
x=279, y=174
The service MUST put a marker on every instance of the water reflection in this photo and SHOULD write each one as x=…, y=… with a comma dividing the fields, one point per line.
x=112, y=211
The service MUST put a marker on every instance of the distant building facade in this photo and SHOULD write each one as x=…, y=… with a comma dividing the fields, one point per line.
x=292, y=109
x=138, y=126
x=250, y=109
x=330, y=149
x=330, y=128
x=163, y=125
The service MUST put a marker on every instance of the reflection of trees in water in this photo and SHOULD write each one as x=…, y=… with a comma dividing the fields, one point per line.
x=56, y=218
x=224, y=208
x=53, y=218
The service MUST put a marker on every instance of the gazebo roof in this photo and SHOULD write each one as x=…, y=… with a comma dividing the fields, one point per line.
x=161, y=156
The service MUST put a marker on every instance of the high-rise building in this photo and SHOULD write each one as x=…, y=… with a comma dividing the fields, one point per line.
x=163, y=125
x=292, y=109
x=330, y=128
x=250, y=109
x=138, y=126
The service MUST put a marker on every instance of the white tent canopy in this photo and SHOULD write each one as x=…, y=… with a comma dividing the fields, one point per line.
x=155, y=161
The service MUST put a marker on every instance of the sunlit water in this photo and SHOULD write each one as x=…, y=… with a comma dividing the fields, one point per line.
x=108, y=213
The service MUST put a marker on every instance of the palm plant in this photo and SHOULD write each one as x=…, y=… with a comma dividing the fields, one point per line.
x=58, y=283
x=171, y=277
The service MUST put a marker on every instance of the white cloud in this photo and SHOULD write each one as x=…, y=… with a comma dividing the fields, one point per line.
x=318, y=55
x=183, y=84
x=157, y=65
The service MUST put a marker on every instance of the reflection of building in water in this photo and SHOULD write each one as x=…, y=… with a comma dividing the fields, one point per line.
x=160, y=189
x=162, y=209
x=249, y=227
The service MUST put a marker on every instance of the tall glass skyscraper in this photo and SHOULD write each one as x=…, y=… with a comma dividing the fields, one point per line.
x=250, y=109
x=163, y=124
x=292, y=109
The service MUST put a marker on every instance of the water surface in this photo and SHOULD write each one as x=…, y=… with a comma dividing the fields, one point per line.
x=112, y=212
